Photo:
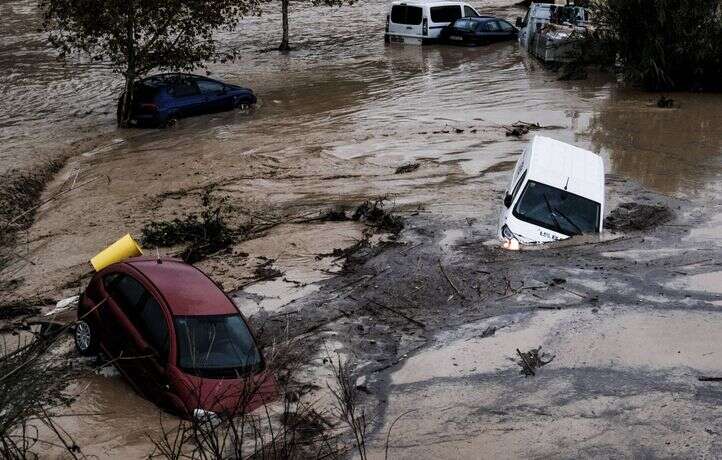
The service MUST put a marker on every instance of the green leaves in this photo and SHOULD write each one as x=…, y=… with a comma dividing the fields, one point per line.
x=137, y=36
x=663, y=44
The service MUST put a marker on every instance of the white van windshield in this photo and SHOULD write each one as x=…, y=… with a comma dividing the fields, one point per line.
x=403, y=14
x=557, y=210
x=449, y=13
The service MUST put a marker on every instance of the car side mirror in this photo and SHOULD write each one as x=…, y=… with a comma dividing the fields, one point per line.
x=507, y=200
x=519, y=22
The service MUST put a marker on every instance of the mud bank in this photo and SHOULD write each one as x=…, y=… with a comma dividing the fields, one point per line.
x=628, y=342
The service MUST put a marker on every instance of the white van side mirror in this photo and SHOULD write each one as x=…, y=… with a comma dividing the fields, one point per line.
x=507, y=200
x=519, y=22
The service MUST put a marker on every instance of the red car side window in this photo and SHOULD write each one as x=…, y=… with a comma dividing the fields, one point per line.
x=152, y=324
x=127, y=292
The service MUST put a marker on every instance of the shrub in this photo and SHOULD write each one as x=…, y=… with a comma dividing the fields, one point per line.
x=662, y=44
x=203, y=233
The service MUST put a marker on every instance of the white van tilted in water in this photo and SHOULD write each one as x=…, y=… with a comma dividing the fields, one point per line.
x=420, y=21
x=556, y=191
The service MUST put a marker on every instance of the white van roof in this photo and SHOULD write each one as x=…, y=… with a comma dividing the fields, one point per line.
x=428, y=2
x=547, y=5
x=566, y=167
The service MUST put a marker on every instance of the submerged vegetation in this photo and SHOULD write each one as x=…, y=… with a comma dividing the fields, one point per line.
x=33, y=381
x=374, y=215
x=659, y=44
x=203, y=233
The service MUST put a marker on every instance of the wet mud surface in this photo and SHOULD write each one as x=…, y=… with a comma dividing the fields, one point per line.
x=632, y=317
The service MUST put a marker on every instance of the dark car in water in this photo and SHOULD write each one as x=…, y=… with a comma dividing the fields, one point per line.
x=160, y=100
x=176, y=337
x=478, y=31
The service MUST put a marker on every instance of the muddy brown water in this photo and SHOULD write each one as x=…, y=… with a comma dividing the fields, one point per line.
x=335, y=117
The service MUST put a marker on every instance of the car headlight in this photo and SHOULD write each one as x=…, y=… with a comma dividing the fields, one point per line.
x=202, y=414
x=506, y=233
x=510, y=240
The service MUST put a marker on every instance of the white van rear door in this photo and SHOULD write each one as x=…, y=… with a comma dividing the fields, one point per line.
x=406, y=20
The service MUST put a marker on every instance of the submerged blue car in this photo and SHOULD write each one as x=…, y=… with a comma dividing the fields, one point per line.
x=482, y=30
x=160, y=100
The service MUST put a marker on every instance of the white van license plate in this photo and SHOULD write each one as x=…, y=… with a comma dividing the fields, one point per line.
x=456, y=37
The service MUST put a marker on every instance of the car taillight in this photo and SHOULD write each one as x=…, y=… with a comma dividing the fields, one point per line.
x=388, y=19
x=425, y=27
x=149, y=107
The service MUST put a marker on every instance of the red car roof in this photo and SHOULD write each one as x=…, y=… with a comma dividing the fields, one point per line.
x=187, y=290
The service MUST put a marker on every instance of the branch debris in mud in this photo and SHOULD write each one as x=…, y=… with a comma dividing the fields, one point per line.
x=395, y=311
x=374, y=214
x=532, y=360
x=451, y=283
x=265, y=271
x=409, y=168
x=521, y=128
x=634, y=216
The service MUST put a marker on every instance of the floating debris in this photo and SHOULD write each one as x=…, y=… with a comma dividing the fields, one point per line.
x=334, y=215
x=665, y=103
x=488, y=332
x=521, y=128
x=64, y=305
x=409, y=168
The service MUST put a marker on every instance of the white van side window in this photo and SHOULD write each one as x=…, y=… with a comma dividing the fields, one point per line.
x=404, y=14
x=518, y=185
x=469, y=12
x=447, y=13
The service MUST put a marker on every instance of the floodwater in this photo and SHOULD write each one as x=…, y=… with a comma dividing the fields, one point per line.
x=345, y=94
x=335, y=117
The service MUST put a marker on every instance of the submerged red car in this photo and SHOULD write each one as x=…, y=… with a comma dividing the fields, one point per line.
x=176, y=337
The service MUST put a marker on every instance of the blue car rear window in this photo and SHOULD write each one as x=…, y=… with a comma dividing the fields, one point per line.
x=145, y=93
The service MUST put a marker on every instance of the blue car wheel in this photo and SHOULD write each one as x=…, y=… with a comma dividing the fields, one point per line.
x=169, y=121
x=243, y=102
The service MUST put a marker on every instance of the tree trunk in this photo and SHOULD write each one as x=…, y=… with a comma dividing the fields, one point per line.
x=126, y=103
x=284, y=40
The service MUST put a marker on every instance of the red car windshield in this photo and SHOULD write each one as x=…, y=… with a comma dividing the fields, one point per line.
x=216, y=346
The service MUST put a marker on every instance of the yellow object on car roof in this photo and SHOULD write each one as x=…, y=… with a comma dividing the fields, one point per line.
x=124, y=248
